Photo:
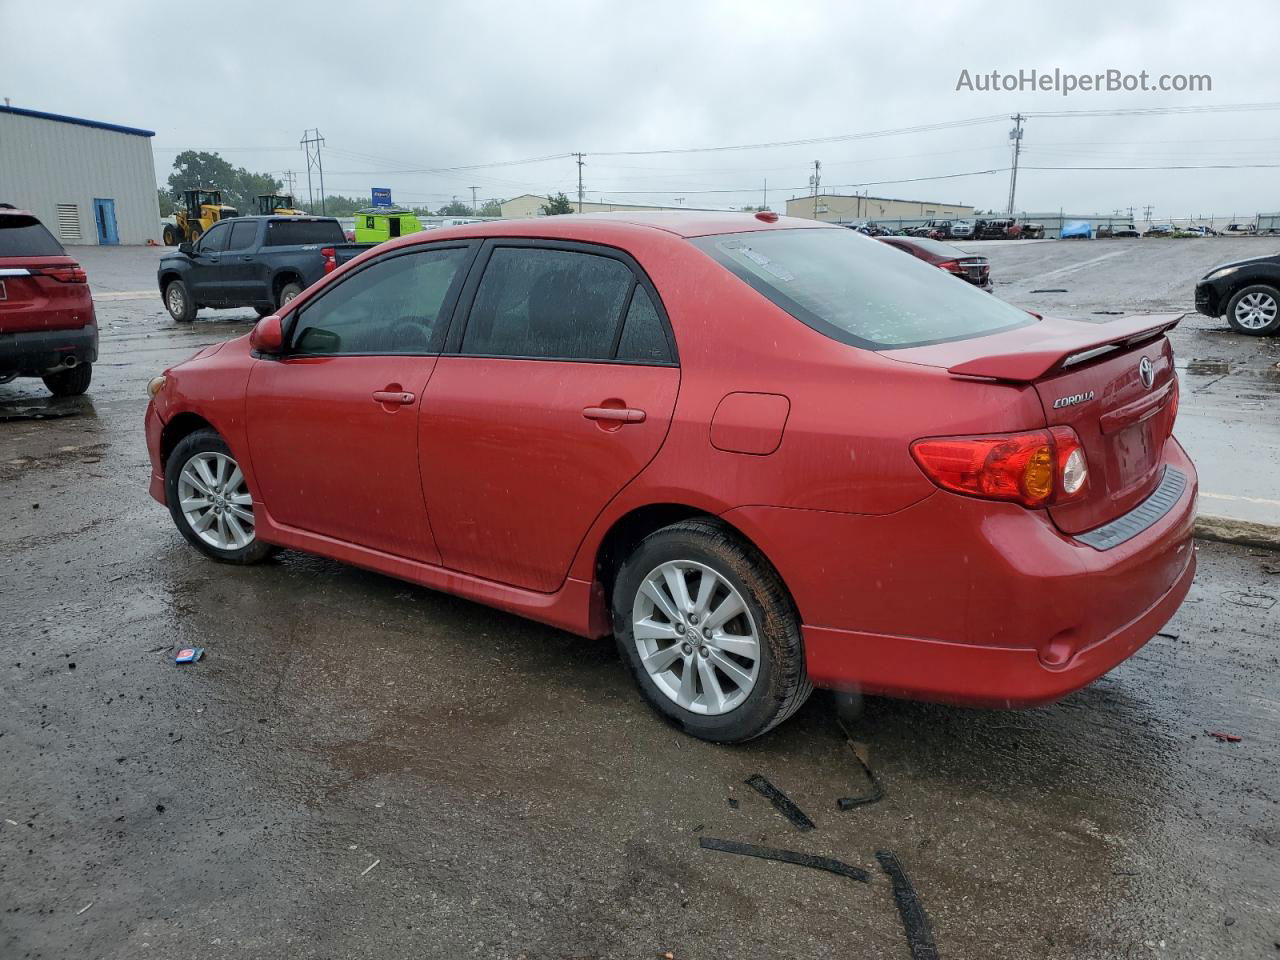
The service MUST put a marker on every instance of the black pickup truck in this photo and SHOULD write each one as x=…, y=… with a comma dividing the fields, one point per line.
x=259, y=262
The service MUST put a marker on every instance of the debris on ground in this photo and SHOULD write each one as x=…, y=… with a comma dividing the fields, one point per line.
x=1223, y=737
x=369, y=867
x=875, y=791
x=781, y=802
x=84, y=908
x=914, y=920
x=189, y=655
x=837, y=867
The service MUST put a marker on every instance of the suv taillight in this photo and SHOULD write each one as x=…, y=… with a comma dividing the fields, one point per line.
x=330, y=259
x=1036, y=469
x=63, y=274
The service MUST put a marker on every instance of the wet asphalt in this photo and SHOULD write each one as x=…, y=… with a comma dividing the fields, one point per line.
x=364, y=768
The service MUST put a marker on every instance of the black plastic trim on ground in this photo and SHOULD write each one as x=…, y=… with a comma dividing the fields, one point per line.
x=787, y=856
x=914, y=919
x=781, y=802
x=1141, y=517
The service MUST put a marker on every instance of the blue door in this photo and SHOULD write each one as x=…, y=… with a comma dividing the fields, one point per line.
x=104, y=212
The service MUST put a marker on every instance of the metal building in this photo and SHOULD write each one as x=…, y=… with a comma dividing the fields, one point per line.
x=90, y=182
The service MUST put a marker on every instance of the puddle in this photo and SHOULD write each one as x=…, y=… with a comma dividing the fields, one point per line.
x=1206, y=368
x=41, y=409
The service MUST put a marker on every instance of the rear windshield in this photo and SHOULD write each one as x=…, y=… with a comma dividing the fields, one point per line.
x=282, y=233
x=931, y=246
x=22, y=236
x=858, y=290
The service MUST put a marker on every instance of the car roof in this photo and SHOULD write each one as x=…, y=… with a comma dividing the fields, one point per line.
x=618, y=226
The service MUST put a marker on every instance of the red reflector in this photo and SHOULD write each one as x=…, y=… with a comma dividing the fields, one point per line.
x=330, y=259
x=1026, y=468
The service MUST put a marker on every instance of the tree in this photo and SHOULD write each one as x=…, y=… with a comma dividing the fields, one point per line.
x=557, y=204
x=491, y=208
x=166, y=203
x=336, y=206
x=456, y=209
x=240, y=188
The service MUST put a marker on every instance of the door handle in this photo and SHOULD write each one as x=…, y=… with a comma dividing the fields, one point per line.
x=392, y=396
x=616, y=414
x=246, y=258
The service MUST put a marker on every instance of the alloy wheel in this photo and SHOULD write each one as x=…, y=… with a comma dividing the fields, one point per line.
x=696, y=637
x=176, y=301
x=215, y=501
x=1256, y=310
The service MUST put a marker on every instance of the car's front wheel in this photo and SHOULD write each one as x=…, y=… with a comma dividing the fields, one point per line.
x=710, y=633
x=210, y=502
x=1255, y=310
x=177, y=300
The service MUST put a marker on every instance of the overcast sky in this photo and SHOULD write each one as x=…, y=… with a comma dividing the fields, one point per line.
x=397, y=87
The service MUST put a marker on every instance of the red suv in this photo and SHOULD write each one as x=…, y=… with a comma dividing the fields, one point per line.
x=47, y=324
x=764, y=453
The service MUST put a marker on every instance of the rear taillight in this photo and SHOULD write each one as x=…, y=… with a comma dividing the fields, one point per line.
x=330, y=259
x=951, y=266
x=63, y=274
x=1036, y=469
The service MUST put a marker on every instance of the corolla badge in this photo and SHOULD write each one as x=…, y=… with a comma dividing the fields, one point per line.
x=1147, y=371
x=1072, y=400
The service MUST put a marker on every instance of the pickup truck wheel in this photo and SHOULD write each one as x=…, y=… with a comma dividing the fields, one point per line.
x=1255, y=310
x=264, y=311
x=289, y=291
x=69, y=383
x=177, y=300
x=210, y=502
x=710, y=633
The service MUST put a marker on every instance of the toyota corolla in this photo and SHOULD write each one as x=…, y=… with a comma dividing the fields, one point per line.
x=765, y=454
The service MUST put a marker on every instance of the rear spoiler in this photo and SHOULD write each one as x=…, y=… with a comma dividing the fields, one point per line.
x=1068, y=348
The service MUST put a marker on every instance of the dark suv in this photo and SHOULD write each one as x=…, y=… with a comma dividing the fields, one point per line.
x=47, y=325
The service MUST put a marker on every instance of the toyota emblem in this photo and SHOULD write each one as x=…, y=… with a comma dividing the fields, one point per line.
x=1147, y=371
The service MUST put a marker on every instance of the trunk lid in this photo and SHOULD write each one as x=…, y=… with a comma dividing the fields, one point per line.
x=35, y=295
x=1112, y=382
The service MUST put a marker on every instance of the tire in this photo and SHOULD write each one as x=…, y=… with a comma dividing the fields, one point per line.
x=196, y=233
x=222, y=538
x=287, y=293
x=177, y=300
x=69, y=383
x=264, y=311
x=775, y=682
x=1255, y=310
x=170, y=236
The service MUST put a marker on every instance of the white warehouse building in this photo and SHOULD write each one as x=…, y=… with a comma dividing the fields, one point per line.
x=89, y=182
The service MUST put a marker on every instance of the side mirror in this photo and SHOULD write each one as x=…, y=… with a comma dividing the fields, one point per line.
x=186, y=248
x=268, y=336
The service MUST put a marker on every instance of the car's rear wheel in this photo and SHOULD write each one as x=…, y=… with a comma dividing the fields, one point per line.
x=210, y=501
x=710, y=633
x=71, y=382
x=288, y=292
x=1255, y=310
x=177, y=300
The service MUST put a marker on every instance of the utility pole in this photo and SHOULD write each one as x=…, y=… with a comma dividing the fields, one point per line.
x=474, y=208
x=816, y=180
x=1146, y=213
x=311, y=143
x=580, y=162
x=1131, y=214
x=289, y=178
x=1016, y=136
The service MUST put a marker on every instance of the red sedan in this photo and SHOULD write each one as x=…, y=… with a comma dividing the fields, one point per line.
x=973, y=269
x=764, y=453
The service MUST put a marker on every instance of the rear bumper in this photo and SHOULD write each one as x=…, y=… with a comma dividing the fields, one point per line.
x=964, y=601
x=33, y=352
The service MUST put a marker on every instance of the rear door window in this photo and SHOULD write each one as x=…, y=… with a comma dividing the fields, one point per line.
x=858, y=290
x=644, y=339
x=392, y=306
x=298, y=232
x=535, y=302
x=24, y=236
x=243, y=233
